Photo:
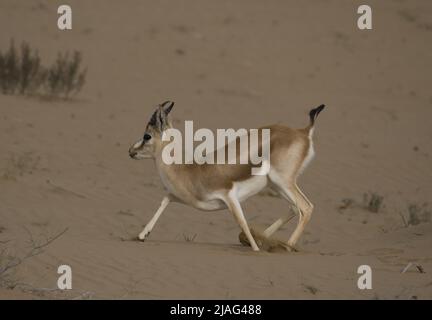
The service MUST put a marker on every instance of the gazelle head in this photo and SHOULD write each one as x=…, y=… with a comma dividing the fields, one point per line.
x=146, y=147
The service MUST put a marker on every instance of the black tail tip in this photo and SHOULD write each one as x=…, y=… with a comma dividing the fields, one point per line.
x=313, y=114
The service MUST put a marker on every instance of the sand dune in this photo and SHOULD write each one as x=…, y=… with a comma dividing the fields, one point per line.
x=64, y=164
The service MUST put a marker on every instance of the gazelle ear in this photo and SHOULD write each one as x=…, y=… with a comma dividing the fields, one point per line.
x=159, y=119
x=167, y=106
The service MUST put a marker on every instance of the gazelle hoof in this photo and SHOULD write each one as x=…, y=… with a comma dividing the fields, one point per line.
x=291, y=248
x=142, y=236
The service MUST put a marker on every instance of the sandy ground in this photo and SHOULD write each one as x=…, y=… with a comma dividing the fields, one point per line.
x=64, y=164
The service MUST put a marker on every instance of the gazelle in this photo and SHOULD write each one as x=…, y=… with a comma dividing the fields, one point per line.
x=220, y=186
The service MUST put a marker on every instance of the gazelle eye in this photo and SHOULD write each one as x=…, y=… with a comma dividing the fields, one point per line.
x=147, y=137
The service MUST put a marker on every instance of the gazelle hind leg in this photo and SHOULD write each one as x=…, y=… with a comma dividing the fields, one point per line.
x=287, y=195
x=292, y=193
x=149, y=226
x=279, y=223
x=305, y=209
x=235, y=208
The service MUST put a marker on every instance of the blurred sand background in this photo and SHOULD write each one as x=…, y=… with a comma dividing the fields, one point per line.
x=64, y=164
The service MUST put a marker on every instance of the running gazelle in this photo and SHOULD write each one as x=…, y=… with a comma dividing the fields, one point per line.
x=220, y=186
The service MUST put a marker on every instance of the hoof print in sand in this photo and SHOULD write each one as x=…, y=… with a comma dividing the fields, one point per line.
x=268, y=244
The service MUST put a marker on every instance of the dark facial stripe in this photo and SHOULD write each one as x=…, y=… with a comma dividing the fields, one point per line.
x=161, y=119
x=153, y=120
x=158, y=120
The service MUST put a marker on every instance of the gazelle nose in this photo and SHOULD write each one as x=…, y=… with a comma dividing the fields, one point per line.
x=132, y=153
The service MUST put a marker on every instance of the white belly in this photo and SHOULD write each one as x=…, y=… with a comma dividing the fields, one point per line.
x=210, y=205
x=243, y=190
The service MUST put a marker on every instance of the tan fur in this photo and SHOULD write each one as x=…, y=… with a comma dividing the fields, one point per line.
x=219, y=186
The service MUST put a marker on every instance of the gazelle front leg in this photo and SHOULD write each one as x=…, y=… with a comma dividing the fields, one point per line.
x=149, y=226
x=235, y=208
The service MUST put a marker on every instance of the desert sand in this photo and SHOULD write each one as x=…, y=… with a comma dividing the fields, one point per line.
x=64, y=165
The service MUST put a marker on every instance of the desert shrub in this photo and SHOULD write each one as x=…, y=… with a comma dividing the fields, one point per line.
x=64, y=76
x=21, y=72
x=373, y=202
x=418, y=214
x=30, y=75
x=9, y=73
x=189, y=238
